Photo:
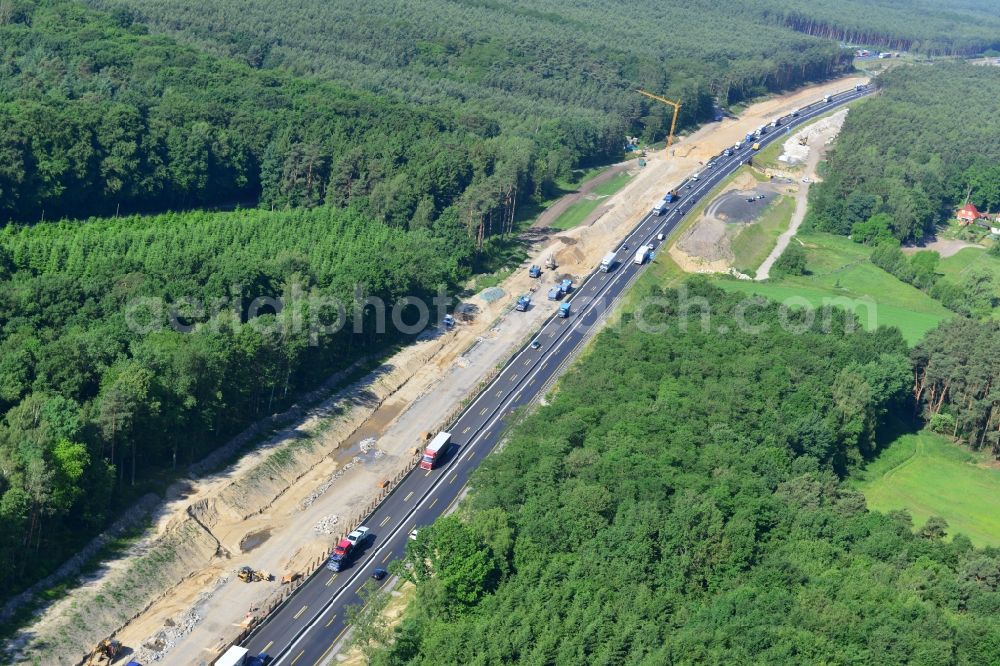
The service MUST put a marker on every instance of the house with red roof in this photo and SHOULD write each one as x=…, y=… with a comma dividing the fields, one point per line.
x=968, y=214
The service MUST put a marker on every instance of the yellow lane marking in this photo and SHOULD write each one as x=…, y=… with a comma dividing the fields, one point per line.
x=453, y=477
x=327, y=624
x=407, y=498
x=298, y=656
x=513, y=378
x=467, y=429
x=335, y=640
x=482, y=412
x=387, y=519
x=328, y=583
x=434, y=502
x=386, y=558
x=301, y=611
x=269, y=644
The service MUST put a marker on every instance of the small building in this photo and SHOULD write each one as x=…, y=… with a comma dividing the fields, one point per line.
x=968, y=214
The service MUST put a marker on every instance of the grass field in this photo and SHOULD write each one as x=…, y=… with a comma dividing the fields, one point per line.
x=929, y=476
x=755, y=241
x=958, y=266
x=579, y=211
x=841, y=274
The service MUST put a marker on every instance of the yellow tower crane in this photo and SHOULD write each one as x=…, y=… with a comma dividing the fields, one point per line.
x=677, y=109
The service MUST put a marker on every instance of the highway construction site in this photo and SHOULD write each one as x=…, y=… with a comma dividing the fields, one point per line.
x=706, y=245
x=177, y=594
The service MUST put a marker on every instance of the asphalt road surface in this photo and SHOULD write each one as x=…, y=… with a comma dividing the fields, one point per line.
x=306, y=629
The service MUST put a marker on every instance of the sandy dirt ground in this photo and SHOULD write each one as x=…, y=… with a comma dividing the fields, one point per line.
x=706, y=246
x=175, y=598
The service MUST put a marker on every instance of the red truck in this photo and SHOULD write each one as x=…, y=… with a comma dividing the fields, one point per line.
x=435, y=450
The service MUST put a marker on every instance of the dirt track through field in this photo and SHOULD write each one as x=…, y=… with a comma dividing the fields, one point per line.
x=552, y=213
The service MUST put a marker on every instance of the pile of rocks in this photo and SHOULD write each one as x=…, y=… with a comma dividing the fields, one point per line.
x=327, y=524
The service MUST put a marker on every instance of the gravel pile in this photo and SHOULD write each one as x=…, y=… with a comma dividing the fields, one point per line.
x=326, y=524
x=325, y=486
x=158, y=646
x=491, y=294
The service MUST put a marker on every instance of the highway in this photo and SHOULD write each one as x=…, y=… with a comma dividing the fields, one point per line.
x=306, y=629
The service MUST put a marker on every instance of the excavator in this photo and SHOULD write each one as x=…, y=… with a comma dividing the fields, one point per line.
x=251, y=575
x=105, y=653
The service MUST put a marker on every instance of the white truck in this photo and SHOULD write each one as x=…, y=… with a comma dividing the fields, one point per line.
x=358, y=536
x=660, y=208
x=435, y=450
x=608, y=262
x=234, y=656
x=641, y=255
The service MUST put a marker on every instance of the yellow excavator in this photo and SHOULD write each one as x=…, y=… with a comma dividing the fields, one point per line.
x=105, y=653
x=251, y=575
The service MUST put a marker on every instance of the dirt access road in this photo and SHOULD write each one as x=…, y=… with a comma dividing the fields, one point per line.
x=174, y=597
x=818, y=136
x=552, y=213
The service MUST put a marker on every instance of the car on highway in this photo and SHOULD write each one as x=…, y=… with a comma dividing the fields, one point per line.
x=379, y=573
x=358, y=536
x=535, y=344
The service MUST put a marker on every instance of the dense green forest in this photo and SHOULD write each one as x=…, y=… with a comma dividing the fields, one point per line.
x=518, y=63
x=680, y=501
x=958, y=27
x=97, y=393
x=907, y=158
x=955, y=380
x=101, y=118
